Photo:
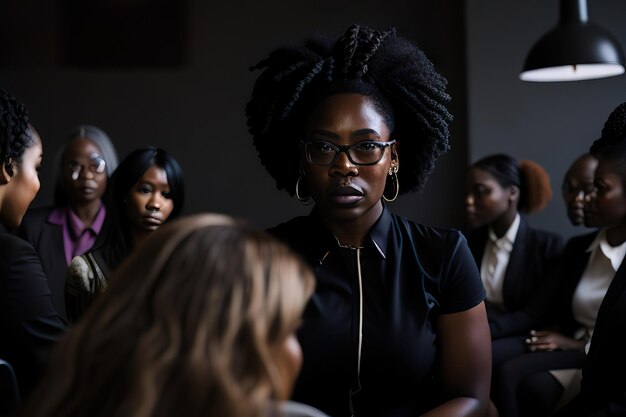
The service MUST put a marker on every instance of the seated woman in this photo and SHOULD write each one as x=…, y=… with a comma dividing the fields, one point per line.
x=29, y=322
x=602, y=391
x=533, y=383
x=199, y=321
x=70, y=226
x=397, y=324
x=146, y=190
x=577, y=183
x=514, y=259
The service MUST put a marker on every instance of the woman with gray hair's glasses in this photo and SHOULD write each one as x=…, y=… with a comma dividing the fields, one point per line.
x=70, y=226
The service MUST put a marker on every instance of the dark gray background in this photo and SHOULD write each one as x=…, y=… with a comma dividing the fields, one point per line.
x=192, y=102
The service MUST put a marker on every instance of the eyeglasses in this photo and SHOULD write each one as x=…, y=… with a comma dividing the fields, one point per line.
x=571, y=191
x=96, y=164
x=367, y=152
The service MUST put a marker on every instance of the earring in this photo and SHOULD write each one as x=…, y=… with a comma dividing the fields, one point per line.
x=393, y=175
x=304, y=200
x=8, y=166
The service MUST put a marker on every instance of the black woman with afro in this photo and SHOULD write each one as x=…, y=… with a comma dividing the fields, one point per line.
x=397, y=323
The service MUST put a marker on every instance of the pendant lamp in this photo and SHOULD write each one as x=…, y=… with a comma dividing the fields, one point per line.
x=575, y=49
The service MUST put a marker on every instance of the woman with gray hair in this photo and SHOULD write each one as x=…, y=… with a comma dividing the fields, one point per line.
x=70, y=226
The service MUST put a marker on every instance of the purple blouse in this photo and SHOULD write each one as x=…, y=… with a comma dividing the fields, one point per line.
x=77, y=239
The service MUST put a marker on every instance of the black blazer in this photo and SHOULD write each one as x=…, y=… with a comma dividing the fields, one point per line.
x=29, y=322
x=533, y=261
x=47, y=239
x=603, y=387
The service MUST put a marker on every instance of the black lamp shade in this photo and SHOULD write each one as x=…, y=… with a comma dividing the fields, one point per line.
x=575, y=50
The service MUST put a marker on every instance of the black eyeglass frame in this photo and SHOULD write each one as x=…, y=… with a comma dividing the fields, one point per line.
x=346, y=149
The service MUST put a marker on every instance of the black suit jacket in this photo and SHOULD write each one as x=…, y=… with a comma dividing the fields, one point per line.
x=29, y=322
x=47, y=239
x=603, y=387
x=533, y=261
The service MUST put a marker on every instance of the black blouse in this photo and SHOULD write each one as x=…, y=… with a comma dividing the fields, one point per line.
x=369, y=335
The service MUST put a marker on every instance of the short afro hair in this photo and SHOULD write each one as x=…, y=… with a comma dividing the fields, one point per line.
x=395, y=74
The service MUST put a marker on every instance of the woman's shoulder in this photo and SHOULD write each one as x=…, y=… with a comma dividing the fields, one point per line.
x=584, y=239
x=432, y=234
x=14, y=247
x=33, y=222
x=293, y=229
x=19, y=259
x=295, y=409
x=36, y=215
x=542, y=236
x=295, y=223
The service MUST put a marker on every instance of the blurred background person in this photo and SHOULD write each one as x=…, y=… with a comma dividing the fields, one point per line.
x=71, y=225
x=533, y=383
x=602, y=391
x=577, y=183
x=513, y=257
x=29, y=322
x=199, y=321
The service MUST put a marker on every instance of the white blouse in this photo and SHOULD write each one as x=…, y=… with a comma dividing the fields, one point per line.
x=603, y=262
x=495, y=260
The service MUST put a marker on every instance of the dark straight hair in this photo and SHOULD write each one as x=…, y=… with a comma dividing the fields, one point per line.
x=114, y=242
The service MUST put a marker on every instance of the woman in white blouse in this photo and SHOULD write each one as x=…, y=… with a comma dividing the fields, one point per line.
x=514, y=258
x=536, y=383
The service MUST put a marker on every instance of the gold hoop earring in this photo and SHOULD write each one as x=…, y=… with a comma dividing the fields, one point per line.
x=303, y=200
x=393, y=174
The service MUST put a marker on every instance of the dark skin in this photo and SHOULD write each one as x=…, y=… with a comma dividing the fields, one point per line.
x=85, y=192
x=19, y=187
x=604, y=207
x=489, y=203
x=148, y=203
x=348, y=198
x=577, y=183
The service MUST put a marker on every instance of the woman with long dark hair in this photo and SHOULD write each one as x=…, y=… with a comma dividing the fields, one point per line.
x=146, y=190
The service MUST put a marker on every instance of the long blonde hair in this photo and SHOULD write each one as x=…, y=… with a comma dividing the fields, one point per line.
x=186, y=327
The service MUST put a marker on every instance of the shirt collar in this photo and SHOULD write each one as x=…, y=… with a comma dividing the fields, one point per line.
x=614, y=253
x=76, y=225
x=378, y=234
x=596, y=241
x=380, y=231
x=507, y=240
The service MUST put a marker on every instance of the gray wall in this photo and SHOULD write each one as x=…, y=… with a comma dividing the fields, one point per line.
x=196, y=111
x=550, y=123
